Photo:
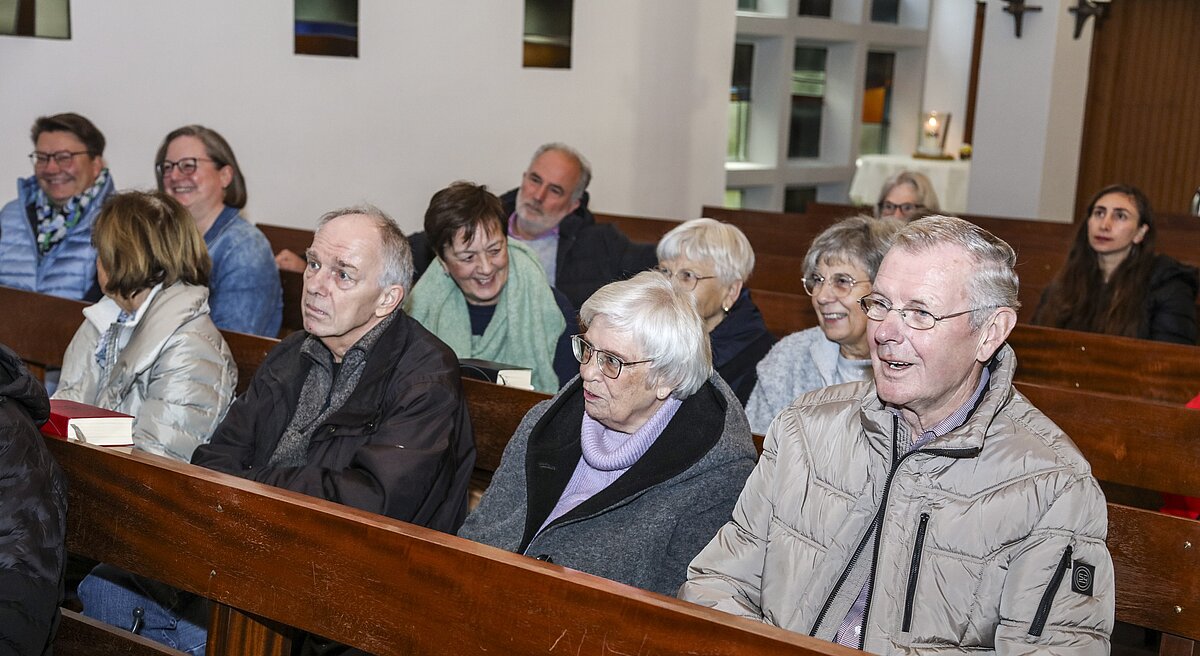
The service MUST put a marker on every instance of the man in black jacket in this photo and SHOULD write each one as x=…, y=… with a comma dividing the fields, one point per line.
x=33, y=514
x=364, y=407
x=549, y=213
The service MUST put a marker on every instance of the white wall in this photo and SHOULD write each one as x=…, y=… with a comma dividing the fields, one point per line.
x=1029, y=125
x=437, y=94
x=948, y=65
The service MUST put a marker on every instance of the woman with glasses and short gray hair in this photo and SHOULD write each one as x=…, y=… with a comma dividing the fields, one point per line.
x=638, y=461
x=838, y=270
x=712, y=261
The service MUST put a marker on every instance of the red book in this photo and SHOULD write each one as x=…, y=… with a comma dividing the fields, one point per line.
x=70, y=420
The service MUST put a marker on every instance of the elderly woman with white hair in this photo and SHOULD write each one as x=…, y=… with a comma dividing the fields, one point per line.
x=712, y=261
x=633, y=466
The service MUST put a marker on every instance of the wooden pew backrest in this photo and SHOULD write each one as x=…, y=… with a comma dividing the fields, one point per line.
x=368, y=581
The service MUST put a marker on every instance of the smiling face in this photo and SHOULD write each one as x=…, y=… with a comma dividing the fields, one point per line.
x=478, y=267
x=929, y=374
x=342, y=296
x=1113, y=227
x=840, y=317
x=203, y=190
x=544, y=197
x=61, y=183
x=625, y=403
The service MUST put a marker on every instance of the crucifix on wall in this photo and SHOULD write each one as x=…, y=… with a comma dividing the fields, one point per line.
x=1018, y=8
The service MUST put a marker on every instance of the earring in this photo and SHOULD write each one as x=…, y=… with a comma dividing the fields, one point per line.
x=726, y=308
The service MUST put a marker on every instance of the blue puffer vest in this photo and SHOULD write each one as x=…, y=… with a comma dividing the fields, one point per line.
x=68, y=270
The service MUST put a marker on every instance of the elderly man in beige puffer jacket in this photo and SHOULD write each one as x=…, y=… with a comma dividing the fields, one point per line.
x=933, y=510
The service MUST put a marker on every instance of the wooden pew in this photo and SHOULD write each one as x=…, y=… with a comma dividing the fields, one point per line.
x=44, y=326
x=288, y=559
x=1117, y=442
x=377, y=584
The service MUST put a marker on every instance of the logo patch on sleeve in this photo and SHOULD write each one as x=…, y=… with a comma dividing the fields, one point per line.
x=1082, y=575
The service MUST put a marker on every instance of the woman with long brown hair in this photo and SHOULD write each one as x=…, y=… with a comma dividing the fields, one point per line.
x=1114, y=282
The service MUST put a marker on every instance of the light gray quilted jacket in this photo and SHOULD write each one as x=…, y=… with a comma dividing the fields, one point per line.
x=176, y=375
x=991, y=538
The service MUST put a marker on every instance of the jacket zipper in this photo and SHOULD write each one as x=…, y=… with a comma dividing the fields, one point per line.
x=861, y=545
x=1043, y=610
x=913, y=570
x=887, y=488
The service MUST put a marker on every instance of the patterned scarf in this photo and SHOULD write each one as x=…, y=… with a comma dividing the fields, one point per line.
x=54, y=223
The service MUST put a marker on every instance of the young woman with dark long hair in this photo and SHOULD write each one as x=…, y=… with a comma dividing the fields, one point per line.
x=1114, y=282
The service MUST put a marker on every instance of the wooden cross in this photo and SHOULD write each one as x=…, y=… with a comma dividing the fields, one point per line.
x=1084, y=10
x=1018, y=8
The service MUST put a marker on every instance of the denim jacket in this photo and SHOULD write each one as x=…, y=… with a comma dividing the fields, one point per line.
x=245, y=294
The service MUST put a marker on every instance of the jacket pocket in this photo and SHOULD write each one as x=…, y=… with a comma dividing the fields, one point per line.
x=913, y=570
x=1043, y=609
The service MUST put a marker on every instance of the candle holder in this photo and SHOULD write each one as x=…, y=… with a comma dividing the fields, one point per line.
x=931, y=136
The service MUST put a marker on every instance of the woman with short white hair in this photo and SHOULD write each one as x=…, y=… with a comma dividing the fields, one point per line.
x=712, y=261
x=636, y=462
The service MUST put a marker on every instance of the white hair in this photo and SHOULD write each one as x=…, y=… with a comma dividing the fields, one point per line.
x=710, y=240
x=664, y=324
x=993, y=283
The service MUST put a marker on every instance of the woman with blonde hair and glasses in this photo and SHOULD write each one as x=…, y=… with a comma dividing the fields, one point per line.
x=633, y=466
x=838, y=270
x=712, y=261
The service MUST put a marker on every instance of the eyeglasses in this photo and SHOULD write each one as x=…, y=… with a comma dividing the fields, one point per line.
x=686, y=279
x=877, y=309
x=840, y=282
x=886, y=207
x=62, y=157
x=187, y=165
x=610, y=365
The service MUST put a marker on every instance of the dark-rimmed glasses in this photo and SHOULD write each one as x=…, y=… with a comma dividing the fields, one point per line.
x=610, y=365
x=62, y=158
x=839, y=282
x=888, y=207
x=186, y=166
x=877, y=309
x=686, y=279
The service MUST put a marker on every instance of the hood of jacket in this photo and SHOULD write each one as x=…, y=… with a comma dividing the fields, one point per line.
x=17, y=384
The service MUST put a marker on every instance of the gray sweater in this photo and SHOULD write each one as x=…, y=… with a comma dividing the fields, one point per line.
x=646, y=526
x=798, y=363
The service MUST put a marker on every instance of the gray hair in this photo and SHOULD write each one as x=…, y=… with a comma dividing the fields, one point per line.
x=926, y=195
x=859, y=239
x=663, y=322
x=585, y=167
x=722, y=244
x=993, y=282
x=393, y=245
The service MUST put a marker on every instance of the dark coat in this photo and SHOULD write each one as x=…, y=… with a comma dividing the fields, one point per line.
x=738, y=343
x=400, y=446
x=590, y=254
x=1171, y=302
x=646, y=526
x=33, y=515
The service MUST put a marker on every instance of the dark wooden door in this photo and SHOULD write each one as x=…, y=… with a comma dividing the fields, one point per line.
x=1142, y=123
